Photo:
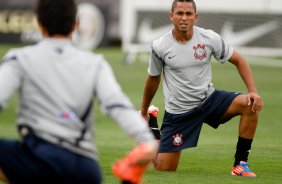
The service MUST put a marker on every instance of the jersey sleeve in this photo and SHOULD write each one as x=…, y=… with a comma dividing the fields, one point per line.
x=10, y=77
x=155, y=62
x=107, y=88
x=222, y=51
x=117, y=105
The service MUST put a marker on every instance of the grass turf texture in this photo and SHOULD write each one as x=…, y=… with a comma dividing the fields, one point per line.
x=212, y=160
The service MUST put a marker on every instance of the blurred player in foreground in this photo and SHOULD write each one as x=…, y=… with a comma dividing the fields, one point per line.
x=183, y=57
x=57, y=84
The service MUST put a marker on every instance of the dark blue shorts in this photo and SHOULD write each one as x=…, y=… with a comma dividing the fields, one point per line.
x=180, y=131
x=35, y=161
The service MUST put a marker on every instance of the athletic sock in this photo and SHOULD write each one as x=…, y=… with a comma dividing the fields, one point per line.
x=153, y=125
x=243, y=149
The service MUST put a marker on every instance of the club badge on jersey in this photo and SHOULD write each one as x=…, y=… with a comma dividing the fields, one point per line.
x=200, y=52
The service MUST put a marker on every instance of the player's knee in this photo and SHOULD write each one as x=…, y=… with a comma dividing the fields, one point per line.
x=167, y=165
x=166, y=168
x=243, y=107
x=248, y=111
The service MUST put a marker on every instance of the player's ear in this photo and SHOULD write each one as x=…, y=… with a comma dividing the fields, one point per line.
x=170, y=15
x=75, y=25
x=196, y=17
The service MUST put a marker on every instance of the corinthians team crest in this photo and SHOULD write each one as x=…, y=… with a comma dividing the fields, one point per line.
x=200, y=52
x=177, y=139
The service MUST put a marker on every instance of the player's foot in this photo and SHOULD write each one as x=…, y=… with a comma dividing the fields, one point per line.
x=153, y=112
x=131, y=168
x=243, y=169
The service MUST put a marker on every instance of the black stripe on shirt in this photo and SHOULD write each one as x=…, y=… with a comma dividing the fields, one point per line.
x=223, y=49
x=87, y=111
x=83, y=119
x=122, y=106
x=156, y=55
x=8, y=59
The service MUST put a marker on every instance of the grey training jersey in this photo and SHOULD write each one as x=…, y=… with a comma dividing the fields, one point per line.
x=186, y=67
x=57, y=83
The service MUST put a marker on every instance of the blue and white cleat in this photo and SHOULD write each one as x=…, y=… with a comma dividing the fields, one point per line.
x=243, y=169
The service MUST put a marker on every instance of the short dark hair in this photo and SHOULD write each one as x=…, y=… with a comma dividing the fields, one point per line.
x=189, y=1
x=57, y=16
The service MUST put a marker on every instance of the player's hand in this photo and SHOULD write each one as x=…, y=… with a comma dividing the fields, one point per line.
x=256, y=101
x=145, y=115
x=152, y=110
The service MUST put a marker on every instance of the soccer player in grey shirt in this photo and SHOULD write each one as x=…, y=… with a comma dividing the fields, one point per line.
x=57, y=84
x=183, y=57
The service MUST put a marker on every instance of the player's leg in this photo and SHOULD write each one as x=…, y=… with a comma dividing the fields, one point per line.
x=130, y=169
x=153, y=112
x=247, y=129
x=168, y=161
x=163, y=161
x=2, y=176
x=248, y=120
x=178, y=132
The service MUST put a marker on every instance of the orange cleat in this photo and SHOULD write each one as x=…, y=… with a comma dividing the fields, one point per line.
x=131, y=168
x=154, y=110
x=242, y=170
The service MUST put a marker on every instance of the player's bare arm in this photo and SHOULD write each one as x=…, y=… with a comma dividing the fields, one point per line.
x=246, y=74
x=150, y=89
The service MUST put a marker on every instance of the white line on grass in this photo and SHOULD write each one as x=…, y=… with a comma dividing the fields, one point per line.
x=263, y=61
x=269, y=62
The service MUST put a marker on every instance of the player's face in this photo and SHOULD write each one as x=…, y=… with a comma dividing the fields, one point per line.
x=183, y=17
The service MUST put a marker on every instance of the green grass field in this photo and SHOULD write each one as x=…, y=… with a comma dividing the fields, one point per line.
x=212, y=160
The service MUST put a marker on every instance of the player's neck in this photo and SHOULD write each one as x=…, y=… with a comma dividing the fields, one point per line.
x=58, y=36
x=182, y=37
x=46, y=34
